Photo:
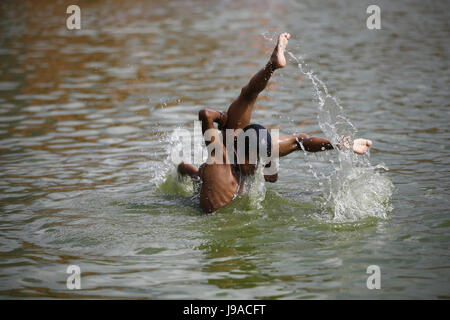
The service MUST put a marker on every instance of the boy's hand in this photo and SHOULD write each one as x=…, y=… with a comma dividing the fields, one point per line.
x=361, y=146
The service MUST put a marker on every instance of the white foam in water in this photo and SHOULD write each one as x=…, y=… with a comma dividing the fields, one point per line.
x=164, y=173
x=356, y=189
x=255, y=188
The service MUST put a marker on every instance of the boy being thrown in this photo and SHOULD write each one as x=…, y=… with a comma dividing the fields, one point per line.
x=221, y=175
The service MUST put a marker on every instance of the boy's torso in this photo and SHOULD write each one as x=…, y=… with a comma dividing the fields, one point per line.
x=220, y=184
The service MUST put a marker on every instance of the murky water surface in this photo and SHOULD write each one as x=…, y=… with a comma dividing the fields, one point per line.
x=84, y=176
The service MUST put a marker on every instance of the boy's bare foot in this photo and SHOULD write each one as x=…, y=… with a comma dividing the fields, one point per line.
x=277, y=59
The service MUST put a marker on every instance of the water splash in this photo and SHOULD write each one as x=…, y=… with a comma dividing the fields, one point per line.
x=164, y=175
x=174, y=184
x=355, y=189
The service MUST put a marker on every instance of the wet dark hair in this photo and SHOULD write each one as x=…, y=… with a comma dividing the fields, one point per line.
x=263, y=140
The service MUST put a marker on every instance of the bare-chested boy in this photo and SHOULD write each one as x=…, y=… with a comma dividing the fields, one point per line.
x=222, y=181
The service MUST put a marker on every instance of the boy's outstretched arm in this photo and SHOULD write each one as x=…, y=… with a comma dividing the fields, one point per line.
x=288, y=144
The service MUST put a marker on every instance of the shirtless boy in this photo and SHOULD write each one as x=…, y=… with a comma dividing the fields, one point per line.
x=222, y=181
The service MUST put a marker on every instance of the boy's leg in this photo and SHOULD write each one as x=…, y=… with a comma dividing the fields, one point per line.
x=240, y=111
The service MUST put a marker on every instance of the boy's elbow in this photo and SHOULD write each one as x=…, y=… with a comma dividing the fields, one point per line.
x=205, y=114
x=202, y=114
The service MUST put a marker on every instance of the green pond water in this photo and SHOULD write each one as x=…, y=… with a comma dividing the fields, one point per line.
x=86, y=118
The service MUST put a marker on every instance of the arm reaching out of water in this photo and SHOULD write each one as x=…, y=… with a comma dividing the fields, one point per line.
x=288, y=144
x=209, y=116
